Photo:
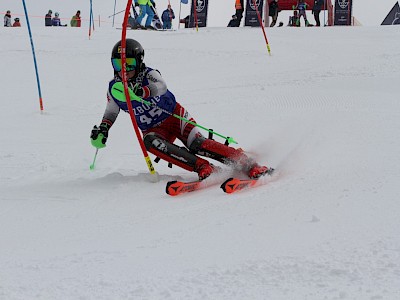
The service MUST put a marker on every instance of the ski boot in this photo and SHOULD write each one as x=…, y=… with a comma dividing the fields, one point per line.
x=256, y=171
x=204, y=169
x=228, y=155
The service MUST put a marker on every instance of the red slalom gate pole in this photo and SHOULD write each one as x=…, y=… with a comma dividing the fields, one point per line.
x=127, y=96
x=195, y=15
x=262, y=27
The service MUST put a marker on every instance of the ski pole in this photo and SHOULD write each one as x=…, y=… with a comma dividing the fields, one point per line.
x=94, y=159
x=118, y=92
x=116, y=13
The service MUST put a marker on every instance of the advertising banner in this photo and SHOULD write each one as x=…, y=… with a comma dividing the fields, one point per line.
x=198, y=9
x=251, y=18
x=343, y=12
x=393, y=17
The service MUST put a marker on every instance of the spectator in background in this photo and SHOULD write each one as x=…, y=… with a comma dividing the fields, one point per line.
x=16, y=23
x=47, y=19
x=239, y=6
x=76, y=19
x=233, y=22
x=294, y=20
x=301, y=7
x=167, y=17
x=7, y=19
x=146, y=9
x=273, y=12
x=318, y=6
x=56, y=21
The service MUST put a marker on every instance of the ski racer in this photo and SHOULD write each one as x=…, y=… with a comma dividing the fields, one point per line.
x=157, y=122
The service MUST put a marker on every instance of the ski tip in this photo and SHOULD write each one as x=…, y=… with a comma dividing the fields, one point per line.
x=170, y=189
x=175, y=188
x=228, y=186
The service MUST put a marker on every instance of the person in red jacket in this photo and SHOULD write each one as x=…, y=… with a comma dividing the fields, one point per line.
x=16, y=23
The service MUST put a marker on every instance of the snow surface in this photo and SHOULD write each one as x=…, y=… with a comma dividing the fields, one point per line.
x=323, y=110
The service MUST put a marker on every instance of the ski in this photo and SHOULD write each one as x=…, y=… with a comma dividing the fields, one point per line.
x=175, y=188
x=233, y=185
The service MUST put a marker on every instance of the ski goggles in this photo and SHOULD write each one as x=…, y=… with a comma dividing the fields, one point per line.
x=117, y=64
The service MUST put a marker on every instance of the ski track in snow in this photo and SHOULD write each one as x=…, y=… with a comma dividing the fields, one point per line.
x=322, y=110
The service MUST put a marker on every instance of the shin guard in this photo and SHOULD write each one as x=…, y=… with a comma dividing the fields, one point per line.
x=171, y=153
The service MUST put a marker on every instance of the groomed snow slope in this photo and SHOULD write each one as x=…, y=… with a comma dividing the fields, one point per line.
x=323, y=110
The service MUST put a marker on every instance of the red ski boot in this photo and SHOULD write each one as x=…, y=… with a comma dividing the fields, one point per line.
x=204, y=168
x=256, y=171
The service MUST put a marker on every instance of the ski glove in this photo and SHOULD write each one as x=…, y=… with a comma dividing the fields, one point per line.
x=99, y=135
x=138, y=90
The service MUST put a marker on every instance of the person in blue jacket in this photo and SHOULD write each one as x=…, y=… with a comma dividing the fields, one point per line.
x=56, y=21
x=167, y=16
x=302, y=7
x=155, y=109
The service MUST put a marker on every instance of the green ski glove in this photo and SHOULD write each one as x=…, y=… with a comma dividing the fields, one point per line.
x=99, y=135
x=137, y=89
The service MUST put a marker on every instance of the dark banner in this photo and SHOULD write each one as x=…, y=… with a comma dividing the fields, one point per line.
x=343, y=12
x=251, y=18
x=393, y=17
x=201, y=12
